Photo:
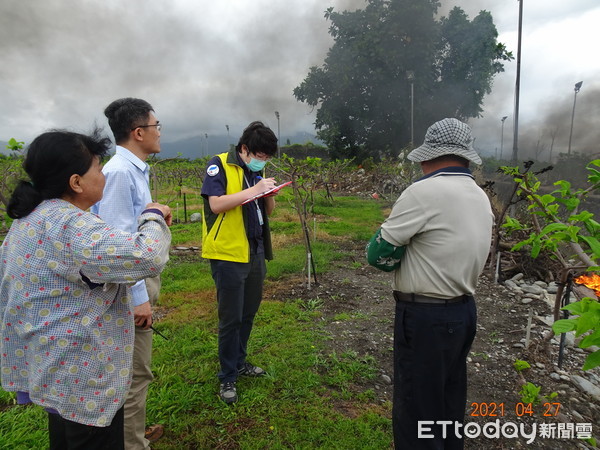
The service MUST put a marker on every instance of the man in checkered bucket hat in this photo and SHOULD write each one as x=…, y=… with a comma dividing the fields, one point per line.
x=436, y=241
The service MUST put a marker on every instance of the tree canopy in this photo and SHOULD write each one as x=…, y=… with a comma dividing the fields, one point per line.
x=363, y=89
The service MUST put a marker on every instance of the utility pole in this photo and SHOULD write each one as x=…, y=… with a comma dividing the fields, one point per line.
x=517, y=88
x=278, y=136
x=410, y=76
x=502, y=136
x=577, y=89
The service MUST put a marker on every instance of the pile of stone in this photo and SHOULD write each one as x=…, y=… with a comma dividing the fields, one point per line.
x=532, y=292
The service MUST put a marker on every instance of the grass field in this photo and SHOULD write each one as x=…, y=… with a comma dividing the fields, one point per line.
x=297, y=404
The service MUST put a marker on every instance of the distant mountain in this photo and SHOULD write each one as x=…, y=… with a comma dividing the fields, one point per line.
x=194, y=147
x=200, y=146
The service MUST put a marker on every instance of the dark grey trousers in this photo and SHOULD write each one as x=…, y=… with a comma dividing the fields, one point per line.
x=239, y=293
x=431, y=345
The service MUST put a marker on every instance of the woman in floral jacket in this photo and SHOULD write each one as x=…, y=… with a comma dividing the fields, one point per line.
x=66, y=326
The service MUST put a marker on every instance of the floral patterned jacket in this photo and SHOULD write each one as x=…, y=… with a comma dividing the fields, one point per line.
x=66, y=321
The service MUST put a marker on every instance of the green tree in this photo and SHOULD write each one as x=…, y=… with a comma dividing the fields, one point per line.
x=363, y=91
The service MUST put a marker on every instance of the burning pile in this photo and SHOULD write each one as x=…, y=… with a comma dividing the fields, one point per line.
x=590, y=281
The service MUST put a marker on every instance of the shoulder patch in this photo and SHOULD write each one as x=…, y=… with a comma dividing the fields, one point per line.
x=212, y=170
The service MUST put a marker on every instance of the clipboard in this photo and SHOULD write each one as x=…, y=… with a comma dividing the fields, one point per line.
x=270, y=191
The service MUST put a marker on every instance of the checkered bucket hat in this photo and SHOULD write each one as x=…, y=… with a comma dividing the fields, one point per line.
x=446, y=137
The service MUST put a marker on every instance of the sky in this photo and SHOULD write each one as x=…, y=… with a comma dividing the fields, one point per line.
x=205, y=65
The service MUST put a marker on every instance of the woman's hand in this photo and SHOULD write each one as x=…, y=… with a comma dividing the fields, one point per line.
x=164, y=209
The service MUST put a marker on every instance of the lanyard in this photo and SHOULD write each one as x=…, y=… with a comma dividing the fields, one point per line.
x=258, y=211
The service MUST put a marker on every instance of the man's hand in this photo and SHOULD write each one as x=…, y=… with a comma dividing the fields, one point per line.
x=264, y=185
x=142, y=315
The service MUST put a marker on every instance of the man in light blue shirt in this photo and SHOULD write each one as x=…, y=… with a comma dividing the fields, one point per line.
x=126, y=194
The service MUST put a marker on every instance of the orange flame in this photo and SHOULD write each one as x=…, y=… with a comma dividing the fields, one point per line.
x=590, y=281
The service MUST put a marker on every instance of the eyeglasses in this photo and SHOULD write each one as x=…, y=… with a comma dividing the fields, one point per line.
x=157, y=125
x=258, y=155
x=262, y=157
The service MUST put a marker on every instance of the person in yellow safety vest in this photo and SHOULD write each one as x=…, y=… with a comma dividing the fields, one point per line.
x=237, y=241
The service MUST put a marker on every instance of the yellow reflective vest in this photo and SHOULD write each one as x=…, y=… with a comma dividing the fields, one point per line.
x=224, y=235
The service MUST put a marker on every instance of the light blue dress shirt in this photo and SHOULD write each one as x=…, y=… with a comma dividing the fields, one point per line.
x=126, y=194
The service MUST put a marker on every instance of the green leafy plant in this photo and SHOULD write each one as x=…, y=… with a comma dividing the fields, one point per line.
x=587, y=320
x=559, y=225
x=14, y=145
x=11, y=170
x=530, y=393
x=549, y=229
x=521, y=365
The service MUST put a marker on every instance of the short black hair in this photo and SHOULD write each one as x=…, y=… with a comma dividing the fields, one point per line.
x=459, y=160
x=51, y=159
x=125, y=114
x=259, y=139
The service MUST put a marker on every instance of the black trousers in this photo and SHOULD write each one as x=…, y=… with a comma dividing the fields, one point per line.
x=67, y=435
x=239, y=293
x=431, y=344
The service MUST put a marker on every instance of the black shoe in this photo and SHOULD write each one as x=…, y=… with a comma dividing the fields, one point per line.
x=154, y=432
x=228, y=392
x=249, y=370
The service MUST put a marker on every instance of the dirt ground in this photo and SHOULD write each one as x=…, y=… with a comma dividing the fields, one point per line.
x=358, y=313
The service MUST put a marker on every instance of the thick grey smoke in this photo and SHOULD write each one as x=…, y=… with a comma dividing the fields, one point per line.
x=204, y=66
x=554, y=121
x=201, y=67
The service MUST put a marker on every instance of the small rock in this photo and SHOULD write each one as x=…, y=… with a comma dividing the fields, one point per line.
x=578, y=416
x=532, y=289
x=546, y=334
x=585, y=386
x=526, y=301
x=511, y=285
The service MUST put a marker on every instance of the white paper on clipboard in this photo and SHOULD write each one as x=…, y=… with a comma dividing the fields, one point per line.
x=270, y=191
